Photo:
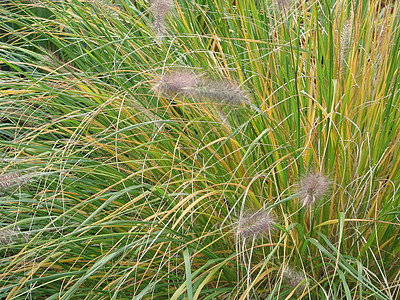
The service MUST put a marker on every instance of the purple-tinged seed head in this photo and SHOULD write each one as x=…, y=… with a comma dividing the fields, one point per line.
x=160, y=10
x=177, y=83
x=295, y=279
x=221, y=92
x=312, y=188
x=12, y=179
x=254, y=224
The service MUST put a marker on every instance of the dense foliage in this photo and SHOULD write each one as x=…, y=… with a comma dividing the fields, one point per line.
x=206, y=149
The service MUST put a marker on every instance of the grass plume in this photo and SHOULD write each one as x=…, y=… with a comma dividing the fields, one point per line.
x=139, y=193
x=345, y=41
x=11, y=180
x=254, y=224
x=221, y=92
x=295, y=279
x=10, y=236
x=160, y=10
x=312, y=188
x=215, y=91
x=178, y=83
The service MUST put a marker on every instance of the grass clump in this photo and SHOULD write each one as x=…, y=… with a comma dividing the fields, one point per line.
x=158, y=181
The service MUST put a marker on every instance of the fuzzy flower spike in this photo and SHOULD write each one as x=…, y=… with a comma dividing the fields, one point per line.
x=254, y=224
x=312, y=188
x=178, y=83
x=221, y=92
x=11, y=180
x=189, y=84
x=160, y=9
x=295, y=279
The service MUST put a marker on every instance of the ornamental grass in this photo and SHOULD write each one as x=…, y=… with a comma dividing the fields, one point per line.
x=199, y=149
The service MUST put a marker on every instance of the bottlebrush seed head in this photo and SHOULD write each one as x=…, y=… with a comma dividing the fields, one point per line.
x=10, y=236
x=193, y=85
x=221, y=92
x=160, y=10
x=295, y=278
x=254, y=224
x=312, y=188
x=6, y=236
x=11, y=179
x=283, y=5
x=177, y=83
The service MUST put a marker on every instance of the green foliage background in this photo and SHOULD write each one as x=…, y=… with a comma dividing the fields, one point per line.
x=135, y=194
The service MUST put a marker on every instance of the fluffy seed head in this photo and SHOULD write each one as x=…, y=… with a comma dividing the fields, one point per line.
x=11, y=179
x=312, y=188
x=283, y=5
x=295, y=278
x=9, y=236
x=345, y=40
x=6, y=236
x=221, y=92
x=160, y=10
x=189, y=84
x=177, y=83
x=254, y=224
